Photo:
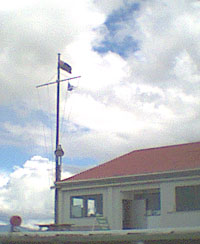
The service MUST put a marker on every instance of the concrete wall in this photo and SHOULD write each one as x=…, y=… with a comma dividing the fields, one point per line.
x=112, y=206
x=65, y=207
x=169, y=216
x=153, y=222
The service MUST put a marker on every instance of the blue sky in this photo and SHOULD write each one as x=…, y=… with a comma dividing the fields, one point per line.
x=113, y=23
x=139, y=67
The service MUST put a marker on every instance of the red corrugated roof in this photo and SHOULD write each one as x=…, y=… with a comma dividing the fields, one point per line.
x=153, y=160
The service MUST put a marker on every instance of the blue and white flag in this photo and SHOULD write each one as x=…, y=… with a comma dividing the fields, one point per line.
x=70, y=87
x=65, y=67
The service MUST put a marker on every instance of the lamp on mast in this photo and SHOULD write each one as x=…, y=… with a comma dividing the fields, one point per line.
x=58, y=153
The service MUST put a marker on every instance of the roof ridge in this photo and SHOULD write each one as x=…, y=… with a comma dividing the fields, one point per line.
x=167, y=146
x=148, y=149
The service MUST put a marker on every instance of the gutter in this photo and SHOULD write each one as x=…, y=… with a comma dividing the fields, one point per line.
x=130, y=180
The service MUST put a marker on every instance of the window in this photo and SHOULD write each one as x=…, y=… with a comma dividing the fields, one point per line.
x=187, y=198
x=152, y=202
x=86, y=206
x=77, y=207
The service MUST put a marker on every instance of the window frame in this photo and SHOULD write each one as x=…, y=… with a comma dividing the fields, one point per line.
x=98, y=205
x=191, y=200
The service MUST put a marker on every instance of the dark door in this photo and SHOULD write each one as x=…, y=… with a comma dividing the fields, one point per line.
x=127, y=214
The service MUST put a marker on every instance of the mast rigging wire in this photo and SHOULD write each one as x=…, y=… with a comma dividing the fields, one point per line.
x=42, y=126
x=49, y=153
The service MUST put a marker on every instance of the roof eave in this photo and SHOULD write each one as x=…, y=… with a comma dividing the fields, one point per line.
x=146, y=175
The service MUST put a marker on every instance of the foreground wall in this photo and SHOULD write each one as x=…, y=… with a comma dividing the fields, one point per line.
x=163, y=236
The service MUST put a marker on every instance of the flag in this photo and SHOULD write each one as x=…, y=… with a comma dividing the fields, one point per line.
x=70, y=87
x=65, y=67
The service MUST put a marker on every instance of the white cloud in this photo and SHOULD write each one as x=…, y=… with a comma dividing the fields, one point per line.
x=164, y=30
x=26, y=192
x=121, y=103
x=3, y=179
x=32, y=36
x=13, y=5
x=107, y=7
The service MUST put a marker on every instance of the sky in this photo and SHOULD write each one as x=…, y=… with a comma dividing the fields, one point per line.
x=139, y=63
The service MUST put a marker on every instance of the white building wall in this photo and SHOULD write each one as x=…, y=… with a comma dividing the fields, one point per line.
x=86, y=221
x=112, y=205
x=169, y=216
x=113, y=208
x=154, y=222
x=60, y=207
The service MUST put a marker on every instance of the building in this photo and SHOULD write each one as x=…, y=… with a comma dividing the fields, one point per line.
x=144, y=189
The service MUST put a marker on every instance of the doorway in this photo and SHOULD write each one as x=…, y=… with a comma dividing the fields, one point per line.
x=127, y=206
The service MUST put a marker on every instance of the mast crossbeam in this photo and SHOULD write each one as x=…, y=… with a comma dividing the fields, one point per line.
x=54, y=82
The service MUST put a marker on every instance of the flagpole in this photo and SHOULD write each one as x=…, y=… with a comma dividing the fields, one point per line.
x=58, y=152
x=57, y=118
